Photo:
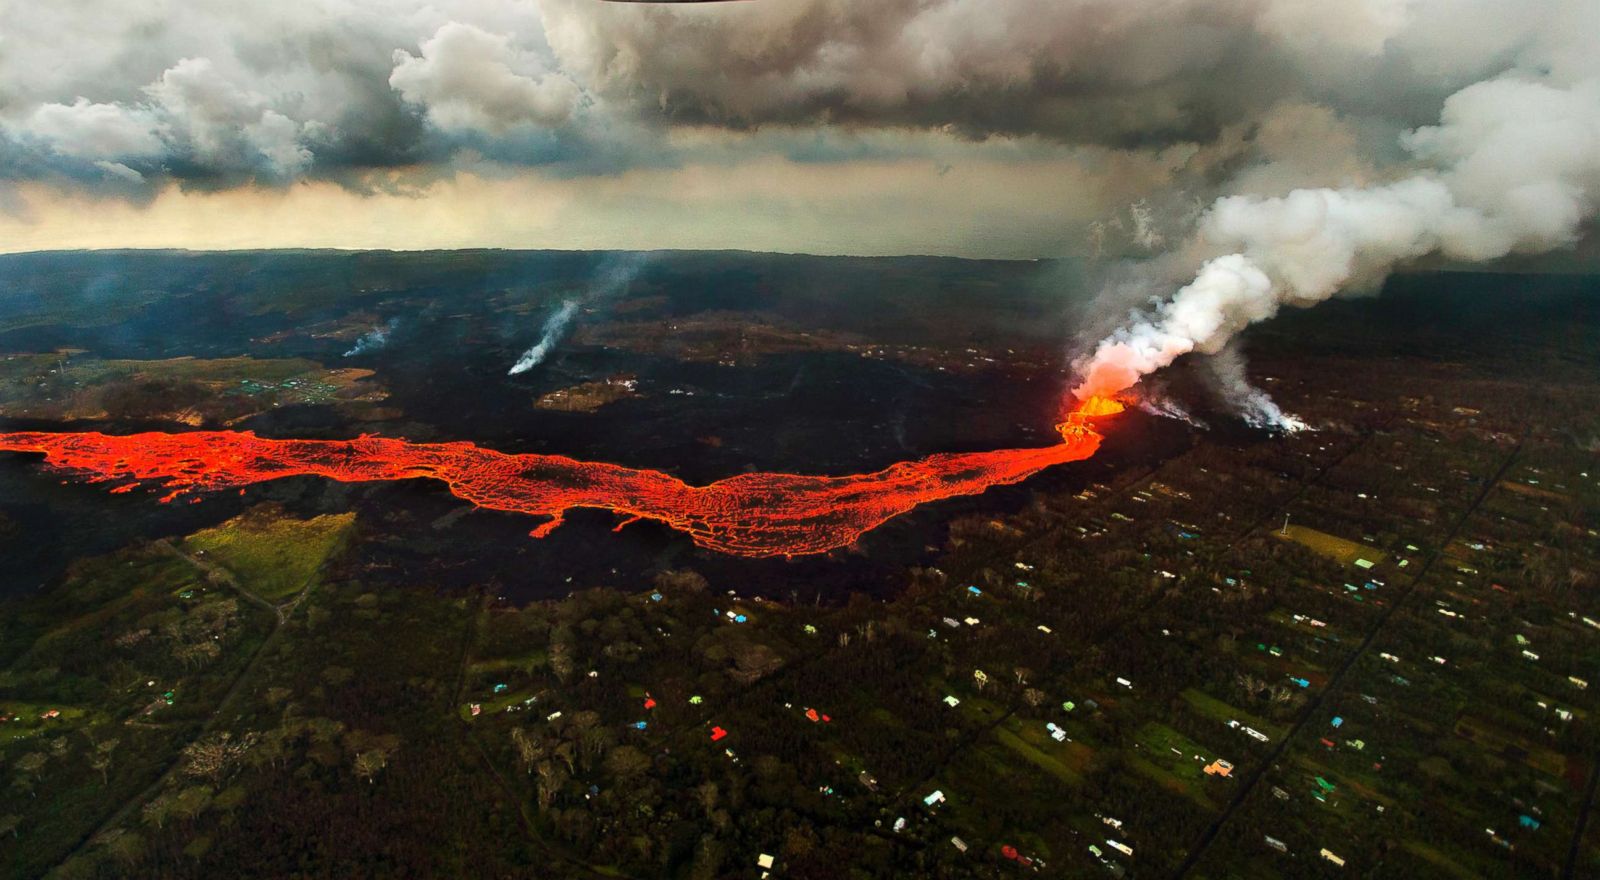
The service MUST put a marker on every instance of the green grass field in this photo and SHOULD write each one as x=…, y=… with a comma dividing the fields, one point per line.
x=1346, y=552
x=1054, y=764
x=273, y=555
x=1215, y=709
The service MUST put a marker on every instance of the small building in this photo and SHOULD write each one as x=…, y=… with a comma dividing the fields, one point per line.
x=1119, y=847
x=717, y=733
x=1275, y=843
x=936, y=798
x=1219, y=767
x=959, y=844
x=1328, y=854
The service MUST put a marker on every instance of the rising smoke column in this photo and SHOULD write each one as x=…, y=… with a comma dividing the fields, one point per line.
x=616, y=272
x=1513, y=167
x=554, y=327
x=373, y=340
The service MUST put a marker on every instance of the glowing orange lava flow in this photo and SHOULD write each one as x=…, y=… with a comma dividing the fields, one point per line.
x=746, y=515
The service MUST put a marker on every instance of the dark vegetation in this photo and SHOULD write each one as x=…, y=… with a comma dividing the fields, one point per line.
x=383, y=731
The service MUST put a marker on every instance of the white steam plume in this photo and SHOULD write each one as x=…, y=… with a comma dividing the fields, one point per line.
x=374, y=339
x=1513, y=166
x=1165, y=407
x=554, y=326
x=612, y=277
x=1226, y=375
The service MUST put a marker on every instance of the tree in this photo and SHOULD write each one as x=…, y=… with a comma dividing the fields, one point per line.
x=626, y=762
x=213, y=756
x=28, y=770
x=561, y=662
x=157, y=809
x=682, y=581
x=706, y=794
x=370, y=763
x=551, y=779
x=102, y=758
x=754, y=661
x=528, y=749
x=127, y=847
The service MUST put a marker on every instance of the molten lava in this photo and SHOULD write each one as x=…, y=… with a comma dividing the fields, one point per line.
x=1095, y=407
x=747, y=515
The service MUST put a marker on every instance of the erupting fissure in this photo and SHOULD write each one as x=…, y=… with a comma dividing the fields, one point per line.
x=764, y=514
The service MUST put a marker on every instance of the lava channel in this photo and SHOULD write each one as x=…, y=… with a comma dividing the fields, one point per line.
x=771, y=514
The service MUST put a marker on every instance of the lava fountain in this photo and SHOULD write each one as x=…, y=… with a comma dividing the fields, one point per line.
x=762, y=514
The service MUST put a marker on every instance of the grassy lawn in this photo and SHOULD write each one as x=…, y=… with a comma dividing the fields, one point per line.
x=525, y=663
x=1017, y=741
x=1511, y=746
x=27, y=722
x=1346, y=552
x=273, y=554
x=1438, y=859
x=1178, y=772
x=1215, y=709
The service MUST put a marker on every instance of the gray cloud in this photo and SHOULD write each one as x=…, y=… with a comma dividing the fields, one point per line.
x=1233, y=96
x=468, y=79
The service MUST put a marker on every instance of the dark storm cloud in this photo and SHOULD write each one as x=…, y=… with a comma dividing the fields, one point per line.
x=123, y=98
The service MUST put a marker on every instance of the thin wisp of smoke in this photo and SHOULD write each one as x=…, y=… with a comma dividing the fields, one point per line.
x=612, y=278
x=373, y=340
x=554, y=326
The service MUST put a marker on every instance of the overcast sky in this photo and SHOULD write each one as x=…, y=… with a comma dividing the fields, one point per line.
x=1007, y=128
